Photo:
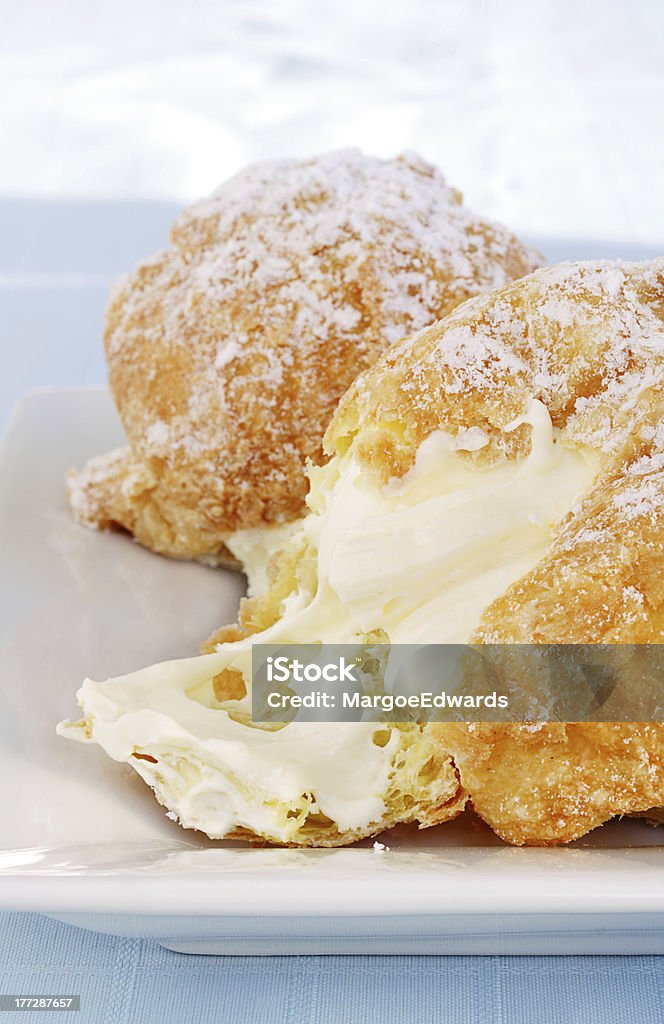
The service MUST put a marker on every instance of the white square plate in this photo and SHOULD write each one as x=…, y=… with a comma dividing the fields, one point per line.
x=83, y=840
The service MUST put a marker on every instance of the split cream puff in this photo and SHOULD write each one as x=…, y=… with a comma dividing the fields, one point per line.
x=497, y=478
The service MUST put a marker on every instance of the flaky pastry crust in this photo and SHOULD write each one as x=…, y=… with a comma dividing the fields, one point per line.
x=588, y=341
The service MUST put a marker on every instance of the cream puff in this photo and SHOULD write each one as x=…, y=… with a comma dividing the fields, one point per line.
x=497, y=478
x=228, y=351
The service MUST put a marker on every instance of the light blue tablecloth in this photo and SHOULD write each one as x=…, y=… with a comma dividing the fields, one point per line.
x=128, y=981
x=54, y=275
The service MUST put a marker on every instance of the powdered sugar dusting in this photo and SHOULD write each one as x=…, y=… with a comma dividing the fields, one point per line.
x=281, y=224
x=307, y=236
x=83, y=488
x=586, y=338
x=157, y=433
x=644, y=500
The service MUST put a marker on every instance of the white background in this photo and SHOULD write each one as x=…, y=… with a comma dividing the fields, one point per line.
x=548, y=114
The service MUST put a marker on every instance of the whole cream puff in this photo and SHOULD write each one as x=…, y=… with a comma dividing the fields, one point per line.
x=229, y=351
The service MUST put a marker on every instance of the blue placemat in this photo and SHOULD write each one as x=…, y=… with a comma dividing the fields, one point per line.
x=125, y=981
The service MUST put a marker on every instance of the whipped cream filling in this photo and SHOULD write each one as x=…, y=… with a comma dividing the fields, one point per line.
x=216, y=773
x=420, y=558
x=255, y=547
